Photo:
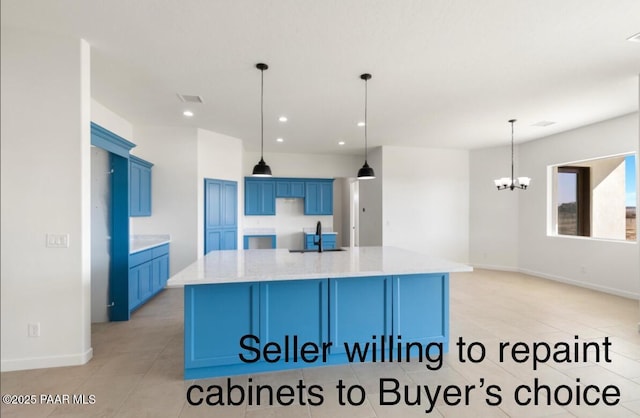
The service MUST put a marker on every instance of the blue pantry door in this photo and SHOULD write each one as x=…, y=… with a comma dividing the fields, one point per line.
x=220, y=215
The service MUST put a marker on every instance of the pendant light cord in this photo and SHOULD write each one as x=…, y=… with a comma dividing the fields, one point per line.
x=261, y=114
x=365, y=120
x=512, y=179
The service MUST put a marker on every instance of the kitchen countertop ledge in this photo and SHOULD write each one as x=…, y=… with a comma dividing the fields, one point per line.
x=238, y=266
x=139, y=243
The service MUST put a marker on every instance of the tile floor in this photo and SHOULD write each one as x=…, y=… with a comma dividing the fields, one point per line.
x=137, y=366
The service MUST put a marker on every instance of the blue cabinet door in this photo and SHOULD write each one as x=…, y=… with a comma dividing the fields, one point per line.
x=294, y=308
x=139, y=187
x=160, y=272
x=318, y=198
x=289, y=188
x=216, y=317
x=140, y=284
x=259, y=196
x=421, y=308
x=221, y=214
x=358, y=310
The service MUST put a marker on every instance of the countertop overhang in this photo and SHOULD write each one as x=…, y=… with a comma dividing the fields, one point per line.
x=238, y=266
x=139, y=243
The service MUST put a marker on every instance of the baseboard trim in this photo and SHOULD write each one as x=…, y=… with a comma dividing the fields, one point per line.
x=599, y=288
x=494, y=267
x=46, y=362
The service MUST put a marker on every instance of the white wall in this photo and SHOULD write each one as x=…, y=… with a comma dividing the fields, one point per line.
x=45, y=174
x=426, y=201
x=110, y=120
x=305, y=165
x=610, y=266
x=219, y=157
x=493, y=214
x=174, y=189
x=370, y=197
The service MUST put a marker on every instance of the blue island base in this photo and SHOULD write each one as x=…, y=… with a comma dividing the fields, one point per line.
x=254, y=327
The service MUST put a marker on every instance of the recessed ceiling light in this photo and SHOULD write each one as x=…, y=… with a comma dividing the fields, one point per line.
x=282, y=119
x=279, y=139
x=188, y=113
x=360, y=123
x=341, y=143
x=634, y=38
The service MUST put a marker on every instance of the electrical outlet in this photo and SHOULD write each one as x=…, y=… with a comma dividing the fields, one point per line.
x=57, y=240
x=33, y=329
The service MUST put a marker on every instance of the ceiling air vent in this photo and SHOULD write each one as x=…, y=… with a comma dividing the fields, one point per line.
x=634, y=38
x=543, y=123
x=186, y=98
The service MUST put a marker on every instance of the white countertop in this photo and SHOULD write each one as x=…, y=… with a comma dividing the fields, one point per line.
x=139, y=243
x=237, y=266
x=259, y=231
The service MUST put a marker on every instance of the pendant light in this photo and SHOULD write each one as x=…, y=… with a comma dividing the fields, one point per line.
x=366, y=172
x=261, y=169
x=511, y=182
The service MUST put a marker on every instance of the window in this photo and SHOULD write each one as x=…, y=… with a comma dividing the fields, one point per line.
x=573, y=201
x=595, y=198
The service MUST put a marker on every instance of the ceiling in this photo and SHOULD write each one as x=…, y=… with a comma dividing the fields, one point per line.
x=446, y=73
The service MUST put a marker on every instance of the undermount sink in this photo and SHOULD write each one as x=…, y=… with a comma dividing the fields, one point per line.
x=328, y=250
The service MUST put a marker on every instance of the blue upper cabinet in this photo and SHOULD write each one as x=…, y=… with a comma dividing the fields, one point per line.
x=318, y=197
x=289, y=188
x=139, y=187
x=259, y=196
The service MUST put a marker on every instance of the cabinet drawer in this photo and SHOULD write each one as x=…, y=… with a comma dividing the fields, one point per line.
x=160, y=250
x=140, y=257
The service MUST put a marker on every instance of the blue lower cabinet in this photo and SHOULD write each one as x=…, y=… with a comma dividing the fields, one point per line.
x=359, y=309
x=427, y=293
x=216, y=318
x=244, y=328
x=328, y=241
x=148, y=274
x=298, y=308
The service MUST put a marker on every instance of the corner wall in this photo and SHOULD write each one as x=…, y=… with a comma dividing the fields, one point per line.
x=174, y=189
x=425, y=201
x=45, y=174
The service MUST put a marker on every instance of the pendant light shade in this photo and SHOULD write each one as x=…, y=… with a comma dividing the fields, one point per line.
x=366, y=172
x=261, y=169
x=512, y=183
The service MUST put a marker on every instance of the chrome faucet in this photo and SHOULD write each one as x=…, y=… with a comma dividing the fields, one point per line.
x=318, y=242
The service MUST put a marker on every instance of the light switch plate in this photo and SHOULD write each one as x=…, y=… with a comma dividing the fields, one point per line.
x=57, y=240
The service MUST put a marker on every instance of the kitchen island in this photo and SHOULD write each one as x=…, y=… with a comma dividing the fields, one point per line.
x=265, y=310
